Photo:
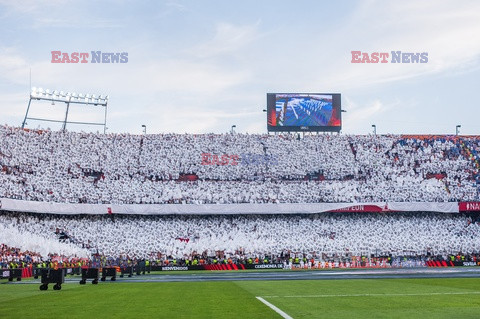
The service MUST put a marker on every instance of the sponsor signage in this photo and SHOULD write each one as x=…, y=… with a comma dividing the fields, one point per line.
x=469, y=206
x=171, y=268
x=443, y=263
x=220, y=267
x=470, y=263
x=362, y=208
x=268, y=266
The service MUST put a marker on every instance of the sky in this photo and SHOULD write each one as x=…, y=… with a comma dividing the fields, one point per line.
x=202, y=66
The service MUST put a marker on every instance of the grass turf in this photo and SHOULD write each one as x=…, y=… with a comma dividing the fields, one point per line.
x=369, y=298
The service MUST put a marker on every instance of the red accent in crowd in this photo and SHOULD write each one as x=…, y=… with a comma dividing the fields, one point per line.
x=187, y=178
x=437, y=176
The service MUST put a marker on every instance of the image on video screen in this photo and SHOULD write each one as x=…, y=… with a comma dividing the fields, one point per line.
x=304, y=110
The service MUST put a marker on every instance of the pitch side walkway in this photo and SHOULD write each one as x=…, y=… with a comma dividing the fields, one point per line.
x=313, y=275
x=460, y=272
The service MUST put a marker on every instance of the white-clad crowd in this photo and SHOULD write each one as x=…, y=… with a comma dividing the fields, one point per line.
x=249, y=235
x=123, y=168
x=31, y=239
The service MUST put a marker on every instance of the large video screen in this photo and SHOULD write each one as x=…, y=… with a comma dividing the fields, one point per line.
x=315, y=112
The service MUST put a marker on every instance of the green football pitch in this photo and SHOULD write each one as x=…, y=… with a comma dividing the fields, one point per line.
x=358, y=298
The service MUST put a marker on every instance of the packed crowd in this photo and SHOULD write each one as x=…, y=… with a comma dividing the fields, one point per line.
x=242, y=237
x=20, y=244
x=72, y=167
x=10, y=256
x=123, y=168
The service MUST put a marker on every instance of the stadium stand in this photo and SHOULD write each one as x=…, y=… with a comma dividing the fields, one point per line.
x=171, y=169
x=240, y=237
x=71, y=167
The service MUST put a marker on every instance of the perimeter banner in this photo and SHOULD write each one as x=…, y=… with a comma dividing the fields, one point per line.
x=222, y=209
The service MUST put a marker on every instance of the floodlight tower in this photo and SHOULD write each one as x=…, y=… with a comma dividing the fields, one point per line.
x=67, y=98
x=457, y=129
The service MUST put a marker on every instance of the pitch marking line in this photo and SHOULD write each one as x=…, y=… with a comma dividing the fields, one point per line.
x=374, y=295
x=277, y=310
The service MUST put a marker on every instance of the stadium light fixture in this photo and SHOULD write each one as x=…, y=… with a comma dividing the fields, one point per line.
x=374, y=129
x=457, y=129
x=53, y=96
x=233, y=126
x=67, y=97
x=144, y=129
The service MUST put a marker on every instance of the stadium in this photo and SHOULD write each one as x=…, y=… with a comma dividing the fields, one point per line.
x=305, y=214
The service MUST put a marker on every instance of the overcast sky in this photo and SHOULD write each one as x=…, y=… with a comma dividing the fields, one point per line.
x=202, y=66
